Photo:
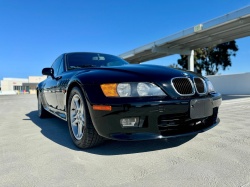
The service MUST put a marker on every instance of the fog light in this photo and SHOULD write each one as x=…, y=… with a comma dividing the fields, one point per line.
x=130, y=122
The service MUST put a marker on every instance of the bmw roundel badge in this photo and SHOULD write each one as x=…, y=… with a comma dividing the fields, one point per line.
x=186, y=74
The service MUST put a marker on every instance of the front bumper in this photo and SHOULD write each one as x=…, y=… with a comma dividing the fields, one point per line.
x=107, y=123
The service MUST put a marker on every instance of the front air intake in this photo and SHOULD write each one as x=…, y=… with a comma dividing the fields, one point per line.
x=183, y=86
x=200, y=85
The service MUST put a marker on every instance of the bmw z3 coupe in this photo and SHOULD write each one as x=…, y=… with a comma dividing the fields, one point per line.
x=103, y=96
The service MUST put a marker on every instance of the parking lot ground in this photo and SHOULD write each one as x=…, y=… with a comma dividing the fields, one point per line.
x=39, y=152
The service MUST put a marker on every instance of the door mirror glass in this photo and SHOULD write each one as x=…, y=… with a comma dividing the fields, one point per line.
x=48, y=72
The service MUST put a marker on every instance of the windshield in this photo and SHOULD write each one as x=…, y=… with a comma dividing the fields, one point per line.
x=75, y=60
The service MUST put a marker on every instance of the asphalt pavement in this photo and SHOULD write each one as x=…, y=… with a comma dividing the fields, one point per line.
x=39, y=152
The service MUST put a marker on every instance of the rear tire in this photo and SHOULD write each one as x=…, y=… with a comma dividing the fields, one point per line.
x=42, y=113
x=80, y=124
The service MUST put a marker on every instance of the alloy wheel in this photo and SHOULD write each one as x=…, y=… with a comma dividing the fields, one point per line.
x=77, y=116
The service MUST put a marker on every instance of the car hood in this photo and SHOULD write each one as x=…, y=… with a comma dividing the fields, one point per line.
x=159, y=75
x=154, y=72
x=133, y=73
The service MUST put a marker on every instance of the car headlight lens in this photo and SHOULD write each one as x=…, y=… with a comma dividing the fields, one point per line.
x=210, y=86
x=149, y=89
x=141, y=89
x=124, y=90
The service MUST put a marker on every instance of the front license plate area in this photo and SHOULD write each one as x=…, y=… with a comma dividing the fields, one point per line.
x=201, y=108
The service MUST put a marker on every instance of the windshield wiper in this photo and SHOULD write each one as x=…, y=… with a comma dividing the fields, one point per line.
x=82, y=66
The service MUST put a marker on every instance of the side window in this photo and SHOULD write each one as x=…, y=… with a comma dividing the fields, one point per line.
x=56, y=65
x=61, y=69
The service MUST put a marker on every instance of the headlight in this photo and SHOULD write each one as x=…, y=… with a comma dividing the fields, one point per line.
x=140, y=89
x=124, y=90
x=149, y=89
x=210, y=86
x=143, y=89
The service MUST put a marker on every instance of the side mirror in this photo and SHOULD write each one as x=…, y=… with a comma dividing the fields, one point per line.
x=48, y=72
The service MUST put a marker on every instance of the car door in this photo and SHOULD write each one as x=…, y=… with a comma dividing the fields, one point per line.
x=50, y=85
x=62, y=81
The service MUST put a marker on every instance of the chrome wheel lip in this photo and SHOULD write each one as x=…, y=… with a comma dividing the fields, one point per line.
x=77, y=119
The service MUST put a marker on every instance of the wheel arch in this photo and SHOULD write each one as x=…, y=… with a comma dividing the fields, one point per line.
x=74, y=83
x=39, y=88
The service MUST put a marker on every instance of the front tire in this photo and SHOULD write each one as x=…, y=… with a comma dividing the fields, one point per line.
x=80, y=124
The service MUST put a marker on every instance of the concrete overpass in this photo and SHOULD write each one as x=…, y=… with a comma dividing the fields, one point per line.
x=225, y=28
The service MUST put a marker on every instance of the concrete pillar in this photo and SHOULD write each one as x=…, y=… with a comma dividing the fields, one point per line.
x=191, y=61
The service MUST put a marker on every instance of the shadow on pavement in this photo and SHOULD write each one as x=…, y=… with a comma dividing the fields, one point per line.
x=229, y=97
x=57, y=130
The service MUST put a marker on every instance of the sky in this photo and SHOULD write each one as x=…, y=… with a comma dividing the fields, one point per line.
x=33, y=33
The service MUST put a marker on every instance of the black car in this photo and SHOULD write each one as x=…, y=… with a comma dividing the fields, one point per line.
x=103, y=96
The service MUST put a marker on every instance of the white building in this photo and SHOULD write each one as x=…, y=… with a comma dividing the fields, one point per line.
x=13, y=85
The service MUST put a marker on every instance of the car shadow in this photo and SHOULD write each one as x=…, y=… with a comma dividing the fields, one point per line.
x=57, y=131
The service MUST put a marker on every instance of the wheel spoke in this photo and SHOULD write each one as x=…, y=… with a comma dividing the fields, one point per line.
x=79, y=129
x=76, y=101
x=73, y=116
x=83, y=120
x=75, y=122
x=74, y=128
